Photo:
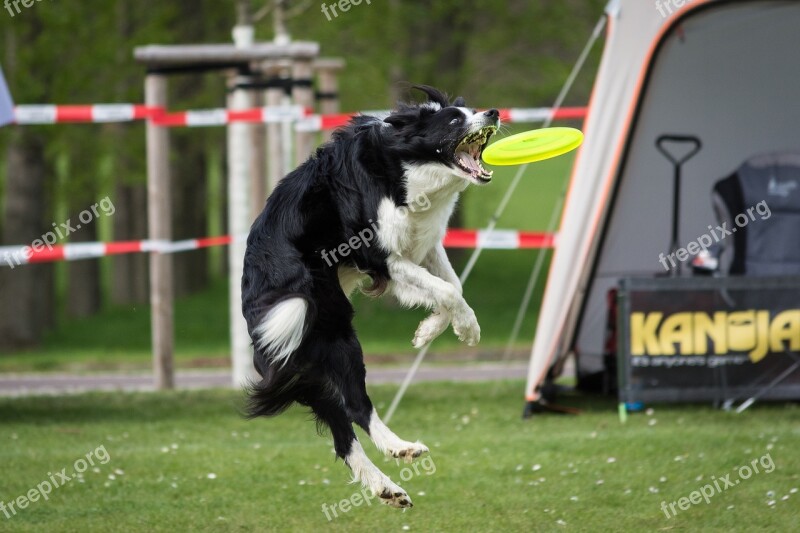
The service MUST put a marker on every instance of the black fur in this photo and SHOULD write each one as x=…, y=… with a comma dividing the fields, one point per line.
x=323, y=203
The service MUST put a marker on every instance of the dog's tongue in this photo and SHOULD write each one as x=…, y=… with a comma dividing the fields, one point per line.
x=469, y=162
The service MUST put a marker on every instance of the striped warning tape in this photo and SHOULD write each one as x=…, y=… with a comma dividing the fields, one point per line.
x=12, y=256
x=304, y=119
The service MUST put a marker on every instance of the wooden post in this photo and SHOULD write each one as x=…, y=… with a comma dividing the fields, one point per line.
x=302, y=95
x=240, y=160
x=258, y=186
x=275, y=163
x=165, y=60
x=159, y=221
x=328, y=75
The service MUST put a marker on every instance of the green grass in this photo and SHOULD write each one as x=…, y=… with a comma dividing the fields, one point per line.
x=119, y=338
x=274, y=475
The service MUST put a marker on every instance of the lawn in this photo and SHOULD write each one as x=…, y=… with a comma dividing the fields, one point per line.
x=119, y=338
x=187, y=461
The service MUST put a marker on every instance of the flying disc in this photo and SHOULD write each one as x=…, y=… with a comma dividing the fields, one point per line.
x=532, y=146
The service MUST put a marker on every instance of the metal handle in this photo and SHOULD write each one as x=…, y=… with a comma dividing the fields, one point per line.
x=679, y=139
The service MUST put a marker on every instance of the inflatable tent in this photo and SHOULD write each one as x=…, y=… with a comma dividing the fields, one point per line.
x=724, y=71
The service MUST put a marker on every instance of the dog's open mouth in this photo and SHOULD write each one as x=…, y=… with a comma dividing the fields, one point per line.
x=469, y=151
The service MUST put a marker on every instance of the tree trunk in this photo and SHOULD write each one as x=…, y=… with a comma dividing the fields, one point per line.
x=83, y=286
x=130, y=280
x=190, y=217
x=26, y=291
x=130, y=274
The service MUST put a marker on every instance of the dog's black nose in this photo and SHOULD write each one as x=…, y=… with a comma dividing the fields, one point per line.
x=493, y=114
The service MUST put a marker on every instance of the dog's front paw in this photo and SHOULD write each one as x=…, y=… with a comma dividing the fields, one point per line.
x=393, y=496
x=430, y=328
x=465, y=325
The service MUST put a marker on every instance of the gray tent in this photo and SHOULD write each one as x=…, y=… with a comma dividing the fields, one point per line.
x=727, y=72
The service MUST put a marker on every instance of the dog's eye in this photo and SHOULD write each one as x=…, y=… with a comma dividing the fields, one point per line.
x=455, y=121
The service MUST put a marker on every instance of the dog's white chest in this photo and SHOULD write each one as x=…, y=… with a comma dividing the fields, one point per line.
x=412, y=230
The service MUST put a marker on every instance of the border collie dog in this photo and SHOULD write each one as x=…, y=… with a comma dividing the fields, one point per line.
x=367, y=211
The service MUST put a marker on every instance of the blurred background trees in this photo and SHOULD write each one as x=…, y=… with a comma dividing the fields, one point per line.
x=501, y=53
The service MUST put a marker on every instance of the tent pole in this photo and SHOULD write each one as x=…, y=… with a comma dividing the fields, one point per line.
x=551, y=226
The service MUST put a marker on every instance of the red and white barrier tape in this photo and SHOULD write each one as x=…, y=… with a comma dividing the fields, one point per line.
x=456, y=238
x=303, y=118
x=52, y=114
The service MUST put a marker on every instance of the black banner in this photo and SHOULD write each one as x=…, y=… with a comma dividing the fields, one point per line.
x=718, y=339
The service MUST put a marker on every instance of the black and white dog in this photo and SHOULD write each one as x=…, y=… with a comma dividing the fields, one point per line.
x=373, y=203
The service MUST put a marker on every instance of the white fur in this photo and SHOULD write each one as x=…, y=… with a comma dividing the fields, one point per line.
x=412, y=231
x=390, y=444
x=281, y=330
x=365, y=472
x=413, y=238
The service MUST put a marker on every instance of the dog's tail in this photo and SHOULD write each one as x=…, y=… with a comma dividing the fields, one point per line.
x=271, y=396
x=281, y=331
x=276, y=337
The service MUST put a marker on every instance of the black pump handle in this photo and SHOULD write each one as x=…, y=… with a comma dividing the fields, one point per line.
x=679, y=139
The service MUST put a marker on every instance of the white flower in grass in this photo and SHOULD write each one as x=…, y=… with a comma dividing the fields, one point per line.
x=536, y=468
x=211, y=475
x=611, y=460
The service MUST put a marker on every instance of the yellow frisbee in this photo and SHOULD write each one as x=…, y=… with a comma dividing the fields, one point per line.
x=532, y=146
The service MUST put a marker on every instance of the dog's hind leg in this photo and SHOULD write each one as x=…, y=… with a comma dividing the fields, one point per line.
x=359, y=407
x=347, y=446
x=389, y=443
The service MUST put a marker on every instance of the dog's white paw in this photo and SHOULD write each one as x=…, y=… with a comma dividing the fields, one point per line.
x=465, y=325
x=407, y=451
x=430, y=328
x=393, y=496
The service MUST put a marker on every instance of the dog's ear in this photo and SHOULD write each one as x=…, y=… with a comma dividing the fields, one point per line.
x=434, y=95
x=460, y=102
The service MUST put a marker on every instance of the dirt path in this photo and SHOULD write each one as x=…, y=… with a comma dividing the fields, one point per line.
x=33, y=384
